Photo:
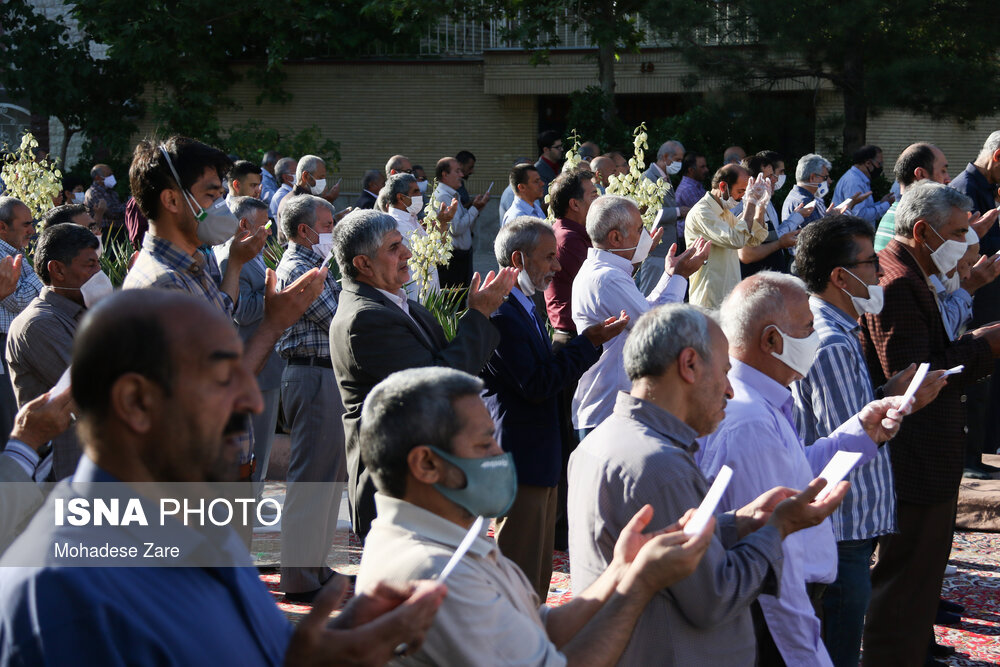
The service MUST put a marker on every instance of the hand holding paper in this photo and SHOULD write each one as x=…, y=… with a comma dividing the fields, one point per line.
x=836, y=470
x=708, y=504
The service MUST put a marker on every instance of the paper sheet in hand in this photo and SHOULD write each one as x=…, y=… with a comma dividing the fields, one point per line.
x=463, y=547
x=954, y=371
x=918, y=377
x=61, y=384
x=836, y=470
x=711, y=500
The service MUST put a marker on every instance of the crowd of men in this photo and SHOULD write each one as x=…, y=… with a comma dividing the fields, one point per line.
x=596, y=383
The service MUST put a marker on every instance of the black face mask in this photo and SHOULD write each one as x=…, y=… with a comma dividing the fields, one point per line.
x=876, y=171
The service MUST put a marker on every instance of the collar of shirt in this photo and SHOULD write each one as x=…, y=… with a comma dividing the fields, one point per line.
x=833, y=315
x=658, y=419
x=572, y=226
x=804, y=193
x=173, y=255
x=307, y=254
x=398, y=298
x=8, y=249
x=659, y=171
x=726, y=216
x=549, y=162
x=406, y=223
x=448, y=191
x=528, y=208
x=860, y=174
x=977, y=179
x=523, y=299
x=408, y=516
x=776, y=395
x=70, y=308
x=601, y=256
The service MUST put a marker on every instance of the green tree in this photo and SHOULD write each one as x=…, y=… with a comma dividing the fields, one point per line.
x=925, y=56
x=54, y=69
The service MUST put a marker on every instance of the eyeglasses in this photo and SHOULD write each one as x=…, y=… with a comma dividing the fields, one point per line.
x=873, y=261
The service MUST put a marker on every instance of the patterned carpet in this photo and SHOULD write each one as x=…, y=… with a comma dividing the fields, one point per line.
x=976, y=586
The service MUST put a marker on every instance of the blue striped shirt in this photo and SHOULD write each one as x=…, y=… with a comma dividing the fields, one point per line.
x=165, y=265
x=837, y=387
x=28, y=287
x=310, y=336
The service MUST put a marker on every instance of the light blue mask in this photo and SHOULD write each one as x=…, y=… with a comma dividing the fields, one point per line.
x=490, y=484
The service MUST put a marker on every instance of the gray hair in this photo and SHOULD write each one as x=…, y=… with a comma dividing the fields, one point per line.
x=758, y=299
x=607, y=213
x=395, y=185
x=7, y=207
x=669, y=148
x=990, y=146
x=408, y=409
x=242, y=207
x=371, y=176
x=928, y=201
x=395, y=162
x=359, y=233
x=659, y=336
x=285, y=165
x=808, y=165
x=300, y=210
x=307, y=163
x=522, y=233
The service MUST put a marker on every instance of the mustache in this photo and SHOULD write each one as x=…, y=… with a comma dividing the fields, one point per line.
x=239, y=422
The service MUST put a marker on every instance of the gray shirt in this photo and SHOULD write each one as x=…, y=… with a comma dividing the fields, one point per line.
x=642, y=454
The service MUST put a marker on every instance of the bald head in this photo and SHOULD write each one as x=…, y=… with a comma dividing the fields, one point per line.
x=761, y=300
x=603, y=167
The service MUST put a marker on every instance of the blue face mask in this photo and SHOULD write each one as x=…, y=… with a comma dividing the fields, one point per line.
x=490, y=484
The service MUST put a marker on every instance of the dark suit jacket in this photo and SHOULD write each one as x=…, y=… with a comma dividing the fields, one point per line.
x=365, y=200
x=929, y=450
x=523, y=380
x=371, y=338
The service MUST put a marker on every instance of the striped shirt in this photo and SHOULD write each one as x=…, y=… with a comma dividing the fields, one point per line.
x=165, y=265
x=28, y=287
x=310, y=336
x=837, y=387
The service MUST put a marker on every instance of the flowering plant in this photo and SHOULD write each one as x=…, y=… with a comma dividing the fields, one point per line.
x=35, y=181
x=647, y=195
x=431, y=248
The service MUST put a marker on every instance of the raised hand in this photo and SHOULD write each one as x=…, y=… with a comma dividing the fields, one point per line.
x=599, y=334
x=689, y=261
x=10, y=274
x=494, y=289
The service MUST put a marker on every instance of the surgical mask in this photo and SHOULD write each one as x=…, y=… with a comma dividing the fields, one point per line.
x=324, y=245
x=798, y=353
x=319, y=188
x=946, y=256
x=971, y=237
x=525, y=282
x=823, y=190
x=97, y=287
x=490, y=484
x=79, y=197
x=781, y=182
x=642, y=249
x=952, y=283
x=215, y=225
x=872, y=304
x=416, y=203
x=423, y=186
x=109, y=181
x=673, y=168
x=728, y=202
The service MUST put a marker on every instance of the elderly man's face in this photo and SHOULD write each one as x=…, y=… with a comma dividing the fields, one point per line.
x=955, y=229
x=713, y=388
x=453, y=179
x=79, y=270
x=476, y=439
x=700, y=169
x=389, y=268
x=542, y=263
x=940, y=174
x=213, y=396
x=19, y=229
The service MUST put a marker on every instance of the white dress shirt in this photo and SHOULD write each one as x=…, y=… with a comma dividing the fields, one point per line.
x=407, y=226
x=461, y=224
x=602, y=289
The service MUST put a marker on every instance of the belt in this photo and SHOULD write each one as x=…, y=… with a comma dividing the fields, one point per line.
x=322, y=362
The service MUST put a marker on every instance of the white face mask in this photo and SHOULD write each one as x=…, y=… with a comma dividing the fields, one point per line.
x=781, y=182
x=109, y=181
x=97, y=287
x=946, y=256
x=525, y=283
x=423, y=186
x=797, y=353
x=642, y=249
x=952, y=283
x=728, y=201
x=79, y=197
x=971, y=237
x=319, y=188
x=822, y=190
x=673, y=168
x=324, y=246
x=873, y=304
x=416, y=203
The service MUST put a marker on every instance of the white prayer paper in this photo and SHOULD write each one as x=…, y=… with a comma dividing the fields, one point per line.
x=836, y=470
x=918, y=378
x=463, y=547
x=954, y=371
x=61, y=384
x=711, y=500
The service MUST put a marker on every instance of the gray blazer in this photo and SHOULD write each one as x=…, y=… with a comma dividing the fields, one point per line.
x=668, y=215
x=250, y=311
x=371, y=338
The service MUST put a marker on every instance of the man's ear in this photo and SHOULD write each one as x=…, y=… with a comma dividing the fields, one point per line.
x=56, y=269
x=770, y=340
x=134, y=402
x=363, y=265
x=172, y=200
x=424, y=466
x=688, y=365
